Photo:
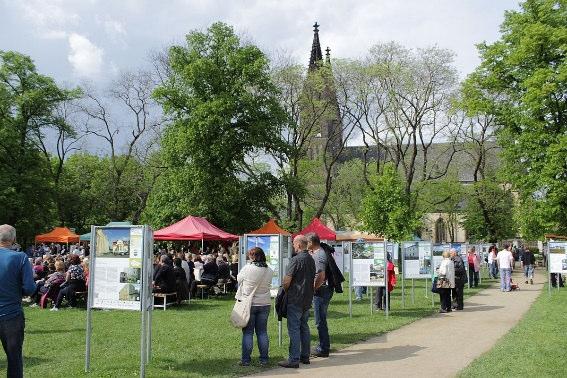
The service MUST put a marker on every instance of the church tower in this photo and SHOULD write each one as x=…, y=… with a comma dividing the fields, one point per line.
x=320, y=105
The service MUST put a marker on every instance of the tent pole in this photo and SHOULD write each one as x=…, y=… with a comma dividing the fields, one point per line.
x=202, y=246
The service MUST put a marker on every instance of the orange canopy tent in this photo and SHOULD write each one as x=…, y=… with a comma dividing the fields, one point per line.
x=270, y=228
x=58, y=235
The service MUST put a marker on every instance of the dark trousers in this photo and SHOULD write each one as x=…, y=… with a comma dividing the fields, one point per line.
x=12, y=337
x=69, y=292
x=381, y=298
x=457, y=294
x=473, y=277
x=445, y=298
x=321, y=301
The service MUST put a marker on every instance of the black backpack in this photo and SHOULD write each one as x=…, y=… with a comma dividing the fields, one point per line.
x=333, y=273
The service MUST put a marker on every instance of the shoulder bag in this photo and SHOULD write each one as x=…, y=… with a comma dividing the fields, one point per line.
x=241, y=311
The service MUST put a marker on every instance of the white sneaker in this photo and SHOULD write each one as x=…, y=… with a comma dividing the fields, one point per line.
x=54, y=309
x=33, y=305
x=27, y=300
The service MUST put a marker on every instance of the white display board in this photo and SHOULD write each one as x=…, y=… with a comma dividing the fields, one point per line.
x=117, y=278
x=368, y=263
x=557, y=258
x=437, y=251
x=278, y=252
x=339, y=256
x=392, y=249
x=417, y=261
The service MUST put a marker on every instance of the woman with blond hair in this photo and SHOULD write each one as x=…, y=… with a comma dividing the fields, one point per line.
x=445, y=281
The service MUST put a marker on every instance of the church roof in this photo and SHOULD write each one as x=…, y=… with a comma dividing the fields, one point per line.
x=316, y=53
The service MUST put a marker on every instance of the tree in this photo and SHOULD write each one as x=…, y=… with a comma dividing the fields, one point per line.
x=385, y=207
x=130, y=138
x=499, y=203
x=401, y=102
x=524, y=74
x=225, y=116
x=28, y=103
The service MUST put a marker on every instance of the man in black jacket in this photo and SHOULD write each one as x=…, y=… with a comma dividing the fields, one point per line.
x=528, y=262
x=460, y=280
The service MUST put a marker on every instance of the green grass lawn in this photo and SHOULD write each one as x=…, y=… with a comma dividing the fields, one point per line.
x=191, y=340
x=534, y=348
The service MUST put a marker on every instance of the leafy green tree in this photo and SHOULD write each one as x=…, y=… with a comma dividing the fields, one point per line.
x=28, y=103
x=524, y=75
x=385, y=208
x=494, y=219
x=225, y=114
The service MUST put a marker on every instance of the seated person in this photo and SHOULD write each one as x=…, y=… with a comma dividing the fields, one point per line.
x=164, y=278
x=210, y=272
x=74, y=281
x=54, y=280
x=197, y=272
x=181, y=284
x=38, y=269
x=223, y=276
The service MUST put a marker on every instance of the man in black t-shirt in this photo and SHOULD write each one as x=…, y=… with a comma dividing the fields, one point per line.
x=298, y=283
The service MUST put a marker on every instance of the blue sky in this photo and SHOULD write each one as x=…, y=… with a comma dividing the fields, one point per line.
x=94, y=40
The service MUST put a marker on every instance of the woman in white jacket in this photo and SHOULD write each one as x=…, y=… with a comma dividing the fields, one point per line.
x=256, y=274
x=446, y=281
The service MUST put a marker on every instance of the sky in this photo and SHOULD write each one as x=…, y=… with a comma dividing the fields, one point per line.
x=95, y=40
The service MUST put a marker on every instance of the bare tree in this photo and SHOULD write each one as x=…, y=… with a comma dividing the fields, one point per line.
x=128, y=120
x=400, y=100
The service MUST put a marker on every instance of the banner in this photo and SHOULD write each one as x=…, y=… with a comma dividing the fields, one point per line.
x=557, y=257
x=270, y=244
x=117, y=265
x=417, y=259
x=392, y=249
x=339, y=256
x=368, y=263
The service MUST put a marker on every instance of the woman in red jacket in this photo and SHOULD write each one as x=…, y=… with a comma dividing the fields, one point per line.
x=381, y=293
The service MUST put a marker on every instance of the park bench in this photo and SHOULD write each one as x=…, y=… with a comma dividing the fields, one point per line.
x=167, y=299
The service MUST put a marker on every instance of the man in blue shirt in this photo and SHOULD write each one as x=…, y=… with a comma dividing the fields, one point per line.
x=16, y=277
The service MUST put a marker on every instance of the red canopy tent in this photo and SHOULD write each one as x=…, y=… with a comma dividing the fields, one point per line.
x=324, y=232
x=58, y=235
x=270, y=228
x=193, y=228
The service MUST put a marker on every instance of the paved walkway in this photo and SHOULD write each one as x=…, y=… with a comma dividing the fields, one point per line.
x=436, y=346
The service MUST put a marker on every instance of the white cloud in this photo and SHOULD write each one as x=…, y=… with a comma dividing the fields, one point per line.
x=50, y=19
x=85, y=56
x=115, y=30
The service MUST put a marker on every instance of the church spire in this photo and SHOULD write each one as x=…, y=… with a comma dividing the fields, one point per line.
x=316, y=54
x=328, y=55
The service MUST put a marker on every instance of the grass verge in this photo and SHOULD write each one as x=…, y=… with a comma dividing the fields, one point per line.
x=534, y=347
x=193, y=340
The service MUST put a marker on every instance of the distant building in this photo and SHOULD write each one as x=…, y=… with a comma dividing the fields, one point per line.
x=327, y=137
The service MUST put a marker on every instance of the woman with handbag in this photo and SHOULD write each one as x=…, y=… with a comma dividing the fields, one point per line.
x=445, y=281
x=254, y=281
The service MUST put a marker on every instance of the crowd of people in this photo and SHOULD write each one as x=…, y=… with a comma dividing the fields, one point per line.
x=451, y=275
x=182, y=272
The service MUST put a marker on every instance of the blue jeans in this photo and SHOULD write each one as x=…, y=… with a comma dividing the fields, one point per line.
x=298, y=332
x=505, y=279
x=258, y=322
x=493, y=270
x=12, y=337
x=321, y=301
x=359, y=291
x=529, y=271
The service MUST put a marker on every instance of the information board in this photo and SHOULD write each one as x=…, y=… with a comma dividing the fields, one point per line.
x=117, y=264
x=368, y=263
x=437, y=251
x=392, y=249
x=417, y=259
x=557, y=257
